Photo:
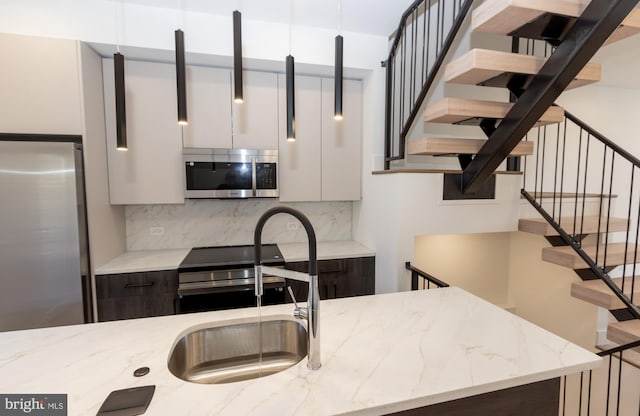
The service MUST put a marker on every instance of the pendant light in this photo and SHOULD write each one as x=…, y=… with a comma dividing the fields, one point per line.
x=121, y=112
x=290, y=88
x=181, y=76
x=337, y=94
x=237, y=57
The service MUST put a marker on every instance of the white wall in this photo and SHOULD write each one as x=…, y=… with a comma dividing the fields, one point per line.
x=153, y=27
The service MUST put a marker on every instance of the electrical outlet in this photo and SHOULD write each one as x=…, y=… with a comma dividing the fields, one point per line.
x=293, y=226
x=156, y=231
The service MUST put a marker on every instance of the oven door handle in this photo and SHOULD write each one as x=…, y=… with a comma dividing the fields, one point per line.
x=254, y=176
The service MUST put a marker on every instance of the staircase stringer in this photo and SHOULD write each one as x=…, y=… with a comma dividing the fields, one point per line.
x=590, y=32
x=597, y=271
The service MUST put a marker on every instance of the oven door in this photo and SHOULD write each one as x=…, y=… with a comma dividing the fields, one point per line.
x=225, y=289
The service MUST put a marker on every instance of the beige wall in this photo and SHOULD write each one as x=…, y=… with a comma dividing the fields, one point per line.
x=40, y=86
x=541, y=292
x=477, y=263
x=506, y=269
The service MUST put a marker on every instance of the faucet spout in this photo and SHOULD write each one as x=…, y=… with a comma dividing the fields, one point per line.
x=313, y=300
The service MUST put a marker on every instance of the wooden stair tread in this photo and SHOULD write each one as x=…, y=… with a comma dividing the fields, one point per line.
x=567, y=257
x=433, y=146
x=583, y=225
x=455, y=110
x=480, y=65
x=505, y=16
x=624, y=332
x=445, y=171
x=599, y=294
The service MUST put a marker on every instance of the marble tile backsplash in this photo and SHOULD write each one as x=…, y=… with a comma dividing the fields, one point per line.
x=230, y=222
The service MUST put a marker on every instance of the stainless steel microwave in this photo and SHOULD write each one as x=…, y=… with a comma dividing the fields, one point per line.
x=230, y=173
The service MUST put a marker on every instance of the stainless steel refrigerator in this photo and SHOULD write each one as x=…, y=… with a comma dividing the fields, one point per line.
x=44, y=262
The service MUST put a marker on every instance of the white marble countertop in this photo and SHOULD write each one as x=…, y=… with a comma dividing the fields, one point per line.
x=154, y=260
x=326, y=250
x=144, y=261
x=380, y=354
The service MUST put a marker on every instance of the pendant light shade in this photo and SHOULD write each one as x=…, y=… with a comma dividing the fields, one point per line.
x=121, y=113
x=337, y=114
x=291, y=106
x=181, y=78
x=237, y=57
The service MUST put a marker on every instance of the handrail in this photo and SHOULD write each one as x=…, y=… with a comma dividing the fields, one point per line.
x=616, y=148
x=620, y=348
x=415, y=272
x=406, y=93
x=635, y=312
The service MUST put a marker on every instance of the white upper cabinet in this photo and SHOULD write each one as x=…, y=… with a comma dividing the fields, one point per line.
x=208, y=108
x=325, y=161
x=342, y=143
x=255, y=121
x=151, y=171
x=299, y=162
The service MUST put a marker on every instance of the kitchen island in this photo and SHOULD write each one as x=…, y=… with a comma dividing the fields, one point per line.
x=380, y=354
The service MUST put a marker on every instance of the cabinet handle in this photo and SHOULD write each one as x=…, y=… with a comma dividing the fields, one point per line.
x=133, y=285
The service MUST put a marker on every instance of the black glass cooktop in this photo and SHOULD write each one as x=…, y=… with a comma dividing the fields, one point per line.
x=229, y=257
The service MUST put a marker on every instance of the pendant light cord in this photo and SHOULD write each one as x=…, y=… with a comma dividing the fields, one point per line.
x=339, y=17
x=118, y=11
x=290, y=15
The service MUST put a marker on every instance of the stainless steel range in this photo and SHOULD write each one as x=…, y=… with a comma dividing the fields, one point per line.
x=213, y=278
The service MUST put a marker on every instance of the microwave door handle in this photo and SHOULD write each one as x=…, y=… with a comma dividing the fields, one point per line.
x=253, y=176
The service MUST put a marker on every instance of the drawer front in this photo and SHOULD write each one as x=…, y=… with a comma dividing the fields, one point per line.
x=112, y=309
x=137, y=284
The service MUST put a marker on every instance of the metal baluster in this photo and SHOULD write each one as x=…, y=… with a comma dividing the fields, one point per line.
x=619, y=383
x=535, y=183
x=564, y=396
x=412, y=68
x=604, y=163
x=624, y=266
x=544, y=146
x=564, y=151
x=606, y=236
x=438, y=29
x=608, y=386
x=402, y=74
x=428, y=41
x=424, y=41
x=393, y=106
x=555, y=176
x=589, y=394
x=580, y=402
x=635, y=256
x=575, y=207
x=584, y=194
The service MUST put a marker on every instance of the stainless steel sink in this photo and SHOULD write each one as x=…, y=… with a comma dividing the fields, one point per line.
x=230, y=353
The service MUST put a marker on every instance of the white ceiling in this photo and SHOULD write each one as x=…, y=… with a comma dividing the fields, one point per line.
x=378, y=17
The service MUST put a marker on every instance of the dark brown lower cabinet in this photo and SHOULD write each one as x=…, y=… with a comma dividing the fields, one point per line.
x=337, y=278
x=136, y=295
x=535, y=399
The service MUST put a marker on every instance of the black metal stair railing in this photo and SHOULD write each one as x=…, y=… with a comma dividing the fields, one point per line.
x=604, y=391
x=427, y=280
x=422, y=40
x=578, y=173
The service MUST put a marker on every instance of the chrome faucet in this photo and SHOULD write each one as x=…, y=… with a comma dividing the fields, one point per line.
x=311, y=312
